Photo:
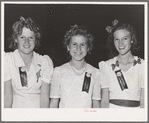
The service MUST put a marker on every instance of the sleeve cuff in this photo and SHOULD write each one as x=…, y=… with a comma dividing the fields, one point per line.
x=94, y=98
x=47, y=80
x=7, y=79
x=54, y=96
x=104, y=87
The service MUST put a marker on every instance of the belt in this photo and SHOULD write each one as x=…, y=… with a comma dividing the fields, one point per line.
x=125, y=103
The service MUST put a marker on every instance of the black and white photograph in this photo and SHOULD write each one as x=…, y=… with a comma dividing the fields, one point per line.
x=74, y=61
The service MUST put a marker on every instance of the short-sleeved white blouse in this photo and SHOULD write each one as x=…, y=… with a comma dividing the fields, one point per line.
x=67, y=86
x=41, y=70
x=134, y=78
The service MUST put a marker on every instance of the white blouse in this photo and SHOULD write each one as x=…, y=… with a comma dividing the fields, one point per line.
x=41, y=70
x=134, y=78
x=67, y=86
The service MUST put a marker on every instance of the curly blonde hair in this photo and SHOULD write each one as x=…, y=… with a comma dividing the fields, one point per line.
x=78, y=30
x=17, y=31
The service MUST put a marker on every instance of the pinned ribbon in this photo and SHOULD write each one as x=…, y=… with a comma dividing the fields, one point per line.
x=23, y=76
x=38, y=75
x=86, y=83
x=121, y=80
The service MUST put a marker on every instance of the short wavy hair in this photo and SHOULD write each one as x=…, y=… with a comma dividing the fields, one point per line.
x=110, y=40
x=17, y=31
x=78, y=30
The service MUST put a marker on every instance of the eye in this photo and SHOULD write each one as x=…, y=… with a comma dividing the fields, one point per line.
x=83, y=44
x=32, y=38
x=115, y=39
x=125, y=38
x=21, y=37
x=74, y=44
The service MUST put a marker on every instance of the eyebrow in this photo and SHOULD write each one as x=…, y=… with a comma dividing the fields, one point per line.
x=124, y=36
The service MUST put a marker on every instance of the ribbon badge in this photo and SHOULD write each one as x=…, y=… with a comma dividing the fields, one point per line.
x=23, y=76
x=86, y=83
x=38, y=73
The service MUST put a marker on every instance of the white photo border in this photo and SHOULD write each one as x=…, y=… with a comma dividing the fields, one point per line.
x=75, y=114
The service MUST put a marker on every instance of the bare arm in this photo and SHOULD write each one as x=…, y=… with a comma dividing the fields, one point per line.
x=44, y=96
x=54, y=102
x=8, y=94
x=142, y=98
x=96, y=103
x=105, y=98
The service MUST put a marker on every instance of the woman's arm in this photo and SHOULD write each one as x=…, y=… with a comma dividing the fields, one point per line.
x=54, y=102
x=105, y=98
x=8, y=94
x=96, y=103
x=44, y=96
x=142, y=98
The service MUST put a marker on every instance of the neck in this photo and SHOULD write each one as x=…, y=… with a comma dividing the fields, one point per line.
x=27, y=58
x=78, y=64
x=125, y=58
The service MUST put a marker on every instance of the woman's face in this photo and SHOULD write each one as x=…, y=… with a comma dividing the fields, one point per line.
x=78, y=47
x=26, y=41
x=122, y=41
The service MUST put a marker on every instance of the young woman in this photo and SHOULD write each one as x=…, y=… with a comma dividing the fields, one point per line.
x=76, y=84
x=27, y=74
x=123, y=74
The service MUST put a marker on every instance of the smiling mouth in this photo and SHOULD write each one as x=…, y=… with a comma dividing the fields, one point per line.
x=78, y=53
x=26, y=46
x=121, y=48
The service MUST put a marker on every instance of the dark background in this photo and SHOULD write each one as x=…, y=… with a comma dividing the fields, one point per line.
x=55, y=20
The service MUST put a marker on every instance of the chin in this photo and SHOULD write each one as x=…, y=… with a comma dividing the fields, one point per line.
x=123, y=53
x=78, y=59
x=28, y=52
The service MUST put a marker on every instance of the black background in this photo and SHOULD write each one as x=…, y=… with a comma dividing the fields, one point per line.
x=55, y=20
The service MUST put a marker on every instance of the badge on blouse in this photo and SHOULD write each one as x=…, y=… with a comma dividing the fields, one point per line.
x=121, y=80
x=23, y=76
x=38, y=75
x=86, y=83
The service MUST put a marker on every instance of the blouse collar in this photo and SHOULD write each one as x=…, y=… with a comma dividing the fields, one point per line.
x=20, y=63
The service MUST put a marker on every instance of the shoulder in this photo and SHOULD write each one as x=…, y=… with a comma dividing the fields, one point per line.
x=62, y=68
x=43, y=59
x=92, y=69
x=8, y=55
x=139, y=61
x=107, y=63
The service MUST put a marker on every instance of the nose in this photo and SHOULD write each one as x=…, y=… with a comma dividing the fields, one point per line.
x=26, y=41
x=79, y=47
x=121, y=42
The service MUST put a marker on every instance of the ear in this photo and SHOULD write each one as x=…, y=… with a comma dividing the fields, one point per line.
x=131, y=41
x=67, y=48
x=15, y=40
x=88, y=49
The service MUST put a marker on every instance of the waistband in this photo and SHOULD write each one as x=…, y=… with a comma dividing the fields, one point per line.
x=125, y=103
